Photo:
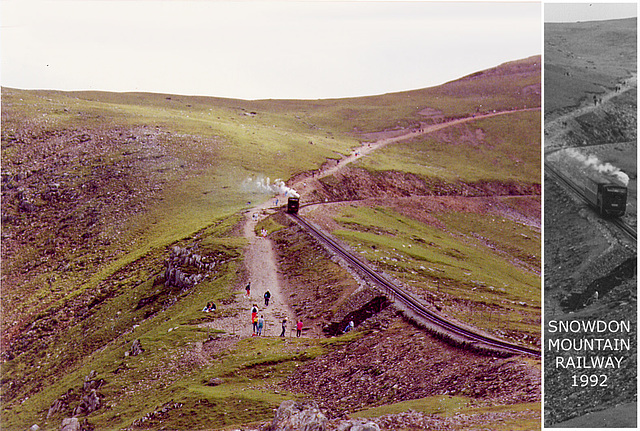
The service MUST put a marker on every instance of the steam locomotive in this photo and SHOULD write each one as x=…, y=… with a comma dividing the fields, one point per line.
x=607, y=195
x=292, y=205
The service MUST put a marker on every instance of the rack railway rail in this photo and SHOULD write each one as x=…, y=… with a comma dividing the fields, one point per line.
x=398, y=294
x=627, y=230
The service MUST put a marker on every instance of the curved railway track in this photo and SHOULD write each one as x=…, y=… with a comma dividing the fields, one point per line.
x=410, y=302
x=627, y=230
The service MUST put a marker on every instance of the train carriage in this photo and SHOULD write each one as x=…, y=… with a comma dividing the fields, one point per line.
x=607, y=196
x=292, y=205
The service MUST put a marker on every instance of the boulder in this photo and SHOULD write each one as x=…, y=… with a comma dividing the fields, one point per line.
x=215, y=382
x=294, y=416
x=136, y=348
x=70, y=424
x=89, y=403
x=58, y=405
x=358, y=425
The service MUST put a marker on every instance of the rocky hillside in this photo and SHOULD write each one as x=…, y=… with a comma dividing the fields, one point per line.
x=122, y=216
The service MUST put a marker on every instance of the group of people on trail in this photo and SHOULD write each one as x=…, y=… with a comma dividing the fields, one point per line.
x=299, y=327
x=258, y=322
x=267, y=295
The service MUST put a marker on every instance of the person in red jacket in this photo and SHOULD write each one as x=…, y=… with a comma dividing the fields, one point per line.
x=254, y=318
x=299, y=328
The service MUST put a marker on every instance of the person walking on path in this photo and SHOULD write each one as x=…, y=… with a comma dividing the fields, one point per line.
x=248, y=290
x=284, y=327
x=260, y=325
x=267, y=296
x=254, y=318
x=299, y=328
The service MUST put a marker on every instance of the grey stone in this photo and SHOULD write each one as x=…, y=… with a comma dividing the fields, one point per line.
x=215, y=382
x=70, y=424
x=293, y=416
x=358, y=425
x=136, y=348
x=57, y=406
x=89, y=403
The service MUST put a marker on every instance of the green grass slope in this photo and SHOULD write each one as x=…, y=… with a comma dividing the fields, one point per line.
x=97, y=188
x=467, y=270
x=505, y=148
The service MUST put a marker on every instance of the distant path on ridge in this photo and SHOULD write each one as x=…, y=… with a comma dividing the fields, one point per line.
x=302, y=185
x=554, y=128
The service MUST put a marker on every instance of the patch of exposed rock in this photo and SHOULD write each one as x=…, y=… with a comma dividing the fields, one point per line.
x=403, y=363
x=82, y=401
x=357, y=184
x=293, y=416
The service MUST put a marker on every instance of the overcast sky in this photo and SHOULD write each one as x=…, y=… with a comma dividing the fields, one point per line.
x=574, y=12
x=259, y=49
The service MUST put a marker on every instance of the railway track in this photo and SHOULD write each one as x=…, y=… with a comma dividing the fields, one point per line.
x=627, y=230
x=415, y=306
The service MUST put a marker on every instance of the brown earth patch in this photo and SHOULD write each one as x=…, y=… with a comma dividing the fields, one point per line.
x=356, y=184
x=402, y=363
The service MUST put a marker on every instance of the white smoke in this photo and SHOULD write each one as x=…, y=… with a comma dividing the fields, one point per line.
x=594, y=163
x=261, y=184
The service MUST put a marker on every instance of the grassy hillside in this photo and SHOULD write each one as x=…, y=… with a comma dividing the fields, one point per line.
x=503, y=148
x=586, y=58
x=464, y=268
x=98, y=189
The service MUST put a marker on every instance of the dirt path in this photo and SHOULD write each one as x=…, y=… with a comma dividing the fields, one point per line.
x=305, y=184
x=261, y=263
x=555, y=129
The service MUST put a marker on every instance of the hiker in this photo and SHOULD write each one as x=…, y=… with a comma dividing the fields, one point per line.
x=248, y=290
x=260, y=325
x=209, y=307
x=254, y=318
x=284, y=327
x=299, y=328
x=267, y=296
x=349, y=327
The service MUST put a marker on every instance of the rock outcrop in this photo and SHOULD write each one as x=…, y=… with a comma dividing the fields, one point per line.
x=86, y=399
x=136, y=348
x=294, y=416
x=184, y=268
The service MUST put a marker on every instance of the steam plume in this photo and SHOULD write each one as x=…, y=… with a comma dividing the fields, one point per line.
x=264, y=185
x=594, y=163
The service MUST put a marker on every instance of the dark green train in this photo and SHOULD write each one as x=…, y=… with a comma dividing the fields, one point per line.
x=292, y=205
x=607, y=195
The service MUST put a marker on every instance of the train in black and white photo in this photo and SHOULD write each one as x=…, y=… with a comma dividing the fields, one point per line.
x=606, y=194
